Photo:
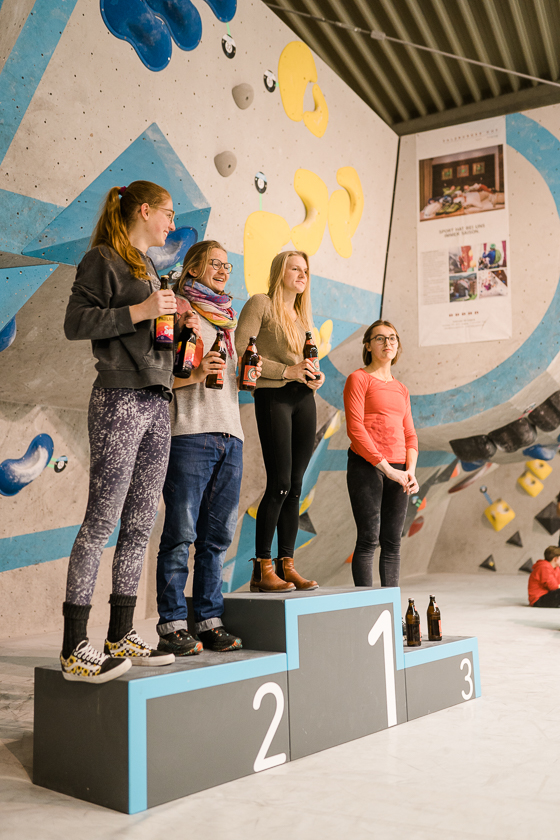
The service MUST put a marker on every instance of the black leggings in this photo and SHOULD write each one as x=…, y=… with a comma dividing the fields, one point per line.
x=379, y=506
x=286, y=420
x=549, y=599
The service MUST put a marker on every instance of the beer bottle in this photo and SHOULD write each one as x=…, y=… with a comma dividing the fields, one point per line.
x=163, y=327
x=216, y=380
x=248, y=367
x=184, y=355
x=434, y=621
x=413, y=635
x=310, y=352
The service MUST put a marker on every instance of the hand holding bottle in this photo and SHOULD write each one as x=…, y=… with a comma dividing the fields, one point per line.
x=158, y=303
x=300, y=372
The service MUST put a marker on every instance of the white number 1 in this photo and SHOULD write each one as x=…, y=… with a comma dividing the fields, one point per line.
x=383, y=627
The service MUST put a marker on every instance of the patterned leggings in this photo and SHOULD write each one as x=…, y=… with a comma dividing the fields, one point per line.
x=129, y=437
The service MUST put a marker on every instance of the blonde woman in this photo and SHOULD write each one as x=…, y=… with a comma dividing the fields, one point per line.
x=285, y=412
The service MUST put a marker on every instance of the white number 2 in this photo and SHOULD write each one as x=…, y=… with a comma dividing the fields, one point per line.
x=468, y=679
x=383, y=627
x=262, y=762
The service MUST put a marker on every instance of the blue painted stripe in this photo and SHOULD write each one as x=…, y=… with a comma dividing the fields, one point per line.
x=28, y=61
x=420, y=656
x=163, y=685
x=41, y=547
x=22, y=219
x=17, y=285
x=335, y=460
x=341, y=601
x=542, y=150
x=436, y=458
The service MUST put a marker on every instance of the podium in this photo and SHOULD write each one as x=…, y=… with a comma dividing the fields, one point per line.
x=317, y=669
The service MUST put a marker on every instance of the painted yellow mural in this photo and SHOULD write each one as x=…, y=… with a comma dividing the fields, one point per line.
x=296, y=69
x=265, y=234
x=322, y=338
x=345, y=210
x=315, y=196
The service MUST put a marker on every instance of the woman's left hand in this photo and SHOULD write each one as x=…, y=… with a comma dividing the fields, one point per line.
x=411, y=484
x=258, y=370
x=189, y=319
x=314, y=384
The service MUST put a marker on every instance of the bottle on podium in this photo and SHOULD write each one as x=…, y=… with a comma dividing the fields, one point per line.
x=412, y=618
x=434, y=621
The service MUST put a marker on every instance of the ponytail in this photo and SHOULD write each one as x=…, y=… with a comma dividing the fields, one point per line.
x=117, y=216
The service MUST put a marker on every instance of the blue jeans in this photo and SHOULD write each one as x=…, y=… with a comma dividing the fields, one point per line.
x=201, y=494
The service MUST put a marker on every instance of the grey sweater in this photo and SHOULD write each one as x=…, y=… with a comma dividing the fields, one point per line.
x=99, y=310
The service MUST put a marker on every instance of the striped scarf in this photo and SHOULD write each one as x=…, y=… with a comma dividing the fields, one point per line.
x=215, y=308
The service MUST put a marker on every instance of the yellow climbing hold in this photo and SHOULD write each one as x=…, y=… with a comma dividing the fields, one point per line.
x=499, y=514
x=530, y=484
x=322, y=338
x=539, y=468
x=314, y=193
x=345, y=210
x=264, y=236
x=316, y=121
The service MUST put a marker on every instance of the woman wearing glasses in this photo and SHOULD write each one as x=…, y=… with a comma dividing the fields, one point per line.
x=285, y=412
x=382, y=455
x=201, y=490
x=115, y=297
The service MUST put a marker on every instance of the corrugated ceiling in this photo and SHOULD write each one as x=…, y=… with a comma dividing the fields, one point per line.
x=413, y=90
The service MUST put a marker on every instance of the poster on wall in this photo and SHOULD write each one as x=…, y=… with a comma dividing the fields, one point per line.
x=464, y=280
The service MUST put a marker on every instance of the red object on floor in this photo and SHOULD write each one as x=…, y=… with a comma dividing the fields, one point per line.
x=416, y=526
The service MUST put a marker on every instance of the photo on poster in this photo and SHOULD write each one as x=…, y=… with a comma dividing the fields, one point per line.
x=462, y=287
x=462, y=183
x=492, y=283
x=461, y=259
x=492, y=255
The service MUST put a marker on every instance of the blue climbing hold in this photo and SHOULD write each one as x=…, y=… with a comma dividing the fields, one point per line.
x=223, y=9
x=17, y=473
x=544, y=453
x=8, y=334
x=183, y=21
x=469, y=466
x=135, y=22
x=176, y=246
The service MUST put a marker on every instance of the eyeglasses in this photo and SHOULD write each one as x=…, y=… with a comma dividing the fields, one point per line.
x=169, y=213
x=381, y=339
x=217, y=264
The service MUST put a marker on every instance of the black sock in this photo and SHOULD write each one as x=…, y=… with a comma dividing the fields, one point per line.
x=75, y=626
x=122, y=615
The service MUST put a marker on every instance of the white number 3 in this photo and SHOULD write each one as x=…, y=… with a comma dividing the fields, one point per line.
x=468, y=679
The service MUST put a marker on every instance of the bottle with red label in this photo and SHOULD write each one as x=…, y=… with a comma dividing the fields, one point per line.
x=184, y=354
x=310, y=352
x=248, y=367
x=216, y=380
x=164, y=327
x=412, y=620
x=434, y=621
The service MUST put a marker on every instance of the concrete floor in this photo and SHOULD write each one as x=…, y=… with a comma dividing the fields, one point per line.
x=485, y=769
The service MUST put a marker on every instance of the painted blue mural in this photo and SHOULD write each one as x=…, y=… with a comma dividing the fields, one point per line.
x=171, y=254
x=16, y=287
x=149, y=157
x=150, y=25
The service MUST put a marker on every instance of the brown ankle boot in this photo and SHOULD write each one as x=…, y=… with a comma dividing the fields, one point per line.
x=263, y=578
x=285, y=571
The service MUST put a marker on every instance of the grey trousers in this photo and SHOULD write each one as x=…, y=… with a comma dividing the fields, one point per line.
x=129, y=435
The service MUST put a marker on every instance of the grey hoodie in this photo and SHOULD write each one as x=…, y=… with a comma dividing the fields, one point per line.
x=99, y=310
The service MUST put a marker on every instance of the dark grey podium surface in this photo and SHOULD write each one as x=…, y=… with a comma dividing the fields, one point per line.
x=317, y=669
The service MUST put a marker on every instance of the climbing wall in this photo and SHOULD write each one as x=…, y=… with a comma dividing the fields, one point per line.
x=493, y=406
x=261, y=146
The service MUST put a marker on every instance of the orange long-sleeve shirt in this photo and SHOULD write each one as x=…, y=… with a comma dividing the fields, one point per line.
x=378, y=418
x=543, y=579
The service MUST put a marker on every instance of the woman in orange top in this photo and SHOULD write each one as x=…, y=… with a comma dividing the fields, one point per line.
x=382, y=456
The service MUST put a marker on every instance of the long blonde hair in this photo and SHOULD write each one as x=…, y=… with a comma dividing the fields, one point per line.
x=302, y=303
x=117, y=215
x=196, y=262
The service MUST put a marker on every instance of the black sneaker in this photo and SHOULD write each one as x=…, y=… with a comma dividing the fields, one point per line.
x=218, y=639
x=180, y=642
